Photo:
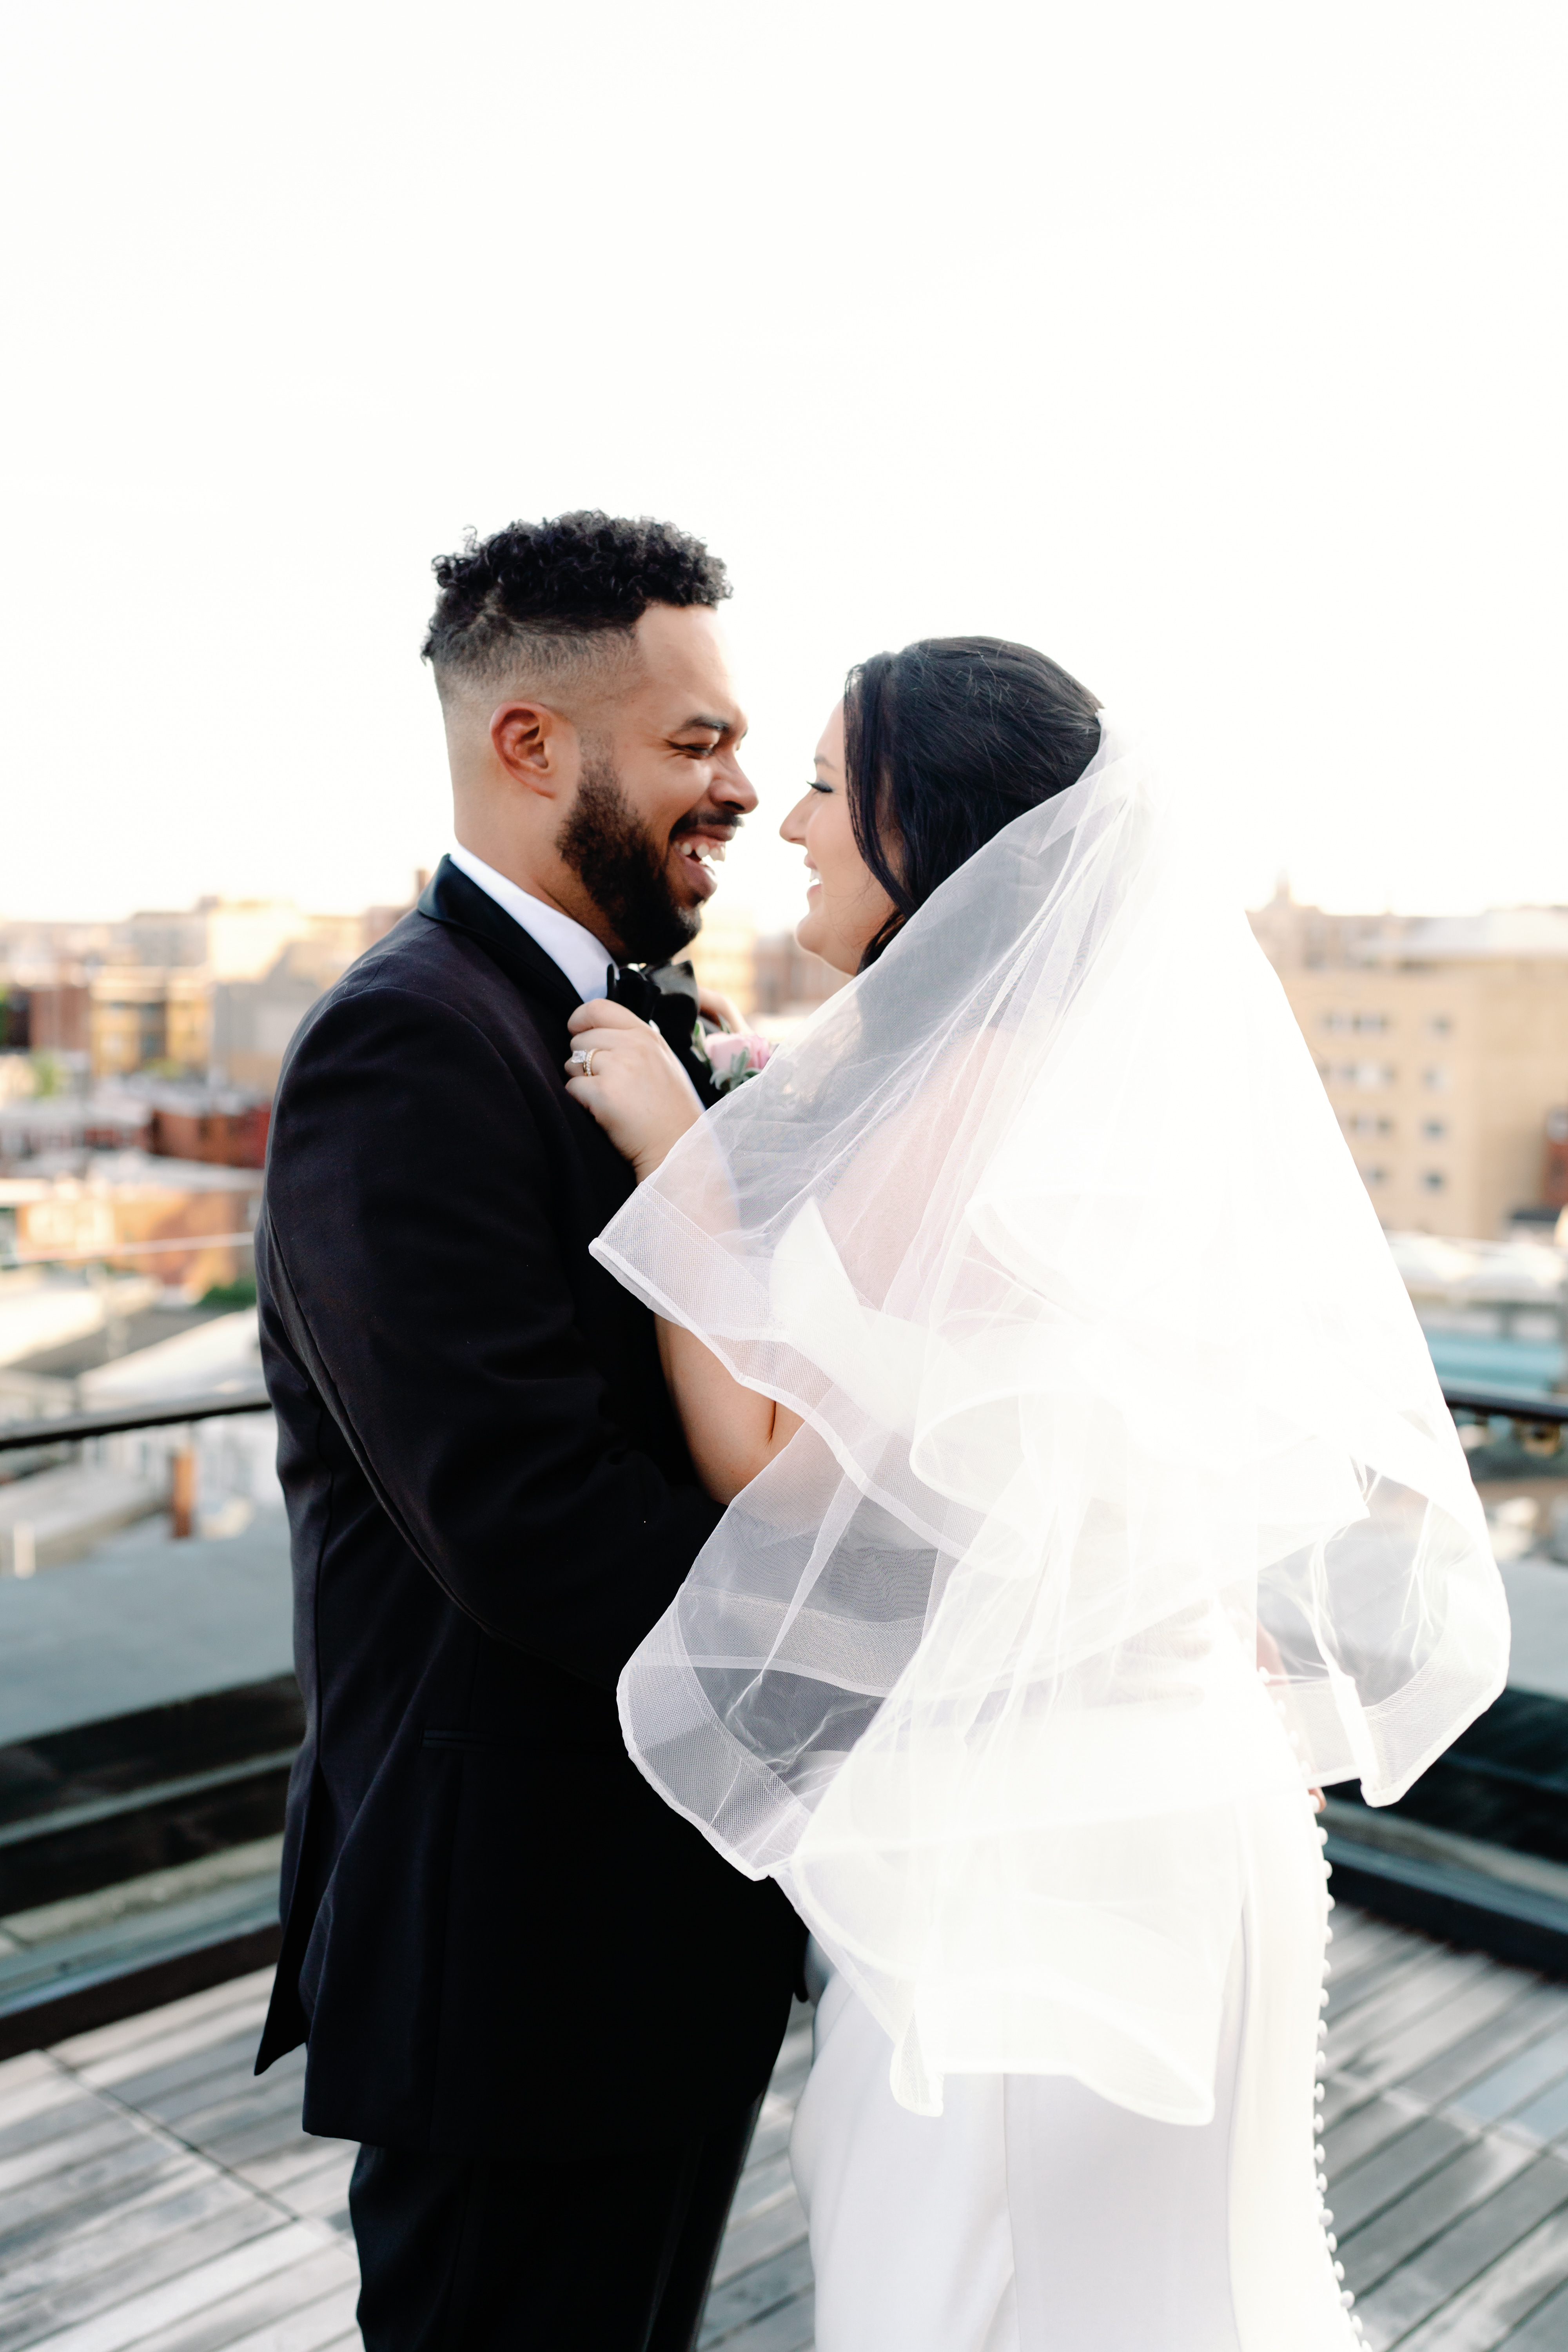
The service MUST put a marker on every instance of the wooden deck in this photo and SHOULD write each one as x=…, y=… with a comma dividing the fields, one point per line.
x=154, y=2197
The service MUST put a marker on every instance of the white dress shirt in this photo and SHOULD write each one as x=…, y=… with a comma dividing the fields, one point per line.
x=576, y=953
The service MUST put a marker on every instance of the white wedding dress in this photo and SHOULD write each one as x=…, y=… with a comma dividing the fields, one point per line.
x=1108, y=1389
x=1034, y=2216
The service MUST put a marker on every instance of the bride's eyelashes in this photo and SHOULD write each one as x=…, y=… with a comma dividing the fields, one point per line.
x=815, y=786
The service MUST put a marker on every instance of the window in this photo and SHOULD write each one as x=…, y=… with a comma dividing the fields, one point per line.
x=1371, y=1075
x=1437, y=1078
x=1366, y=1122
x=1438, y=1024
x=1337, y=1021
x=1435, y=1129
x=1374, y=1175
x=1433, y=1180
x=1372, y=1023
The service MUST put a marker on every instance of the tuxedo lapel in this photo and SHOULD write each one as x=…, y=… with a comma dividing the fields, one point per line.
x=666, y=997
x=451, y=897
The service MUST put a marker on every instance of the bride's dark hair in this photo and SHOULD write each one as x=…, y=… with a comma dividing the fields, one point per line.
x=944, y=744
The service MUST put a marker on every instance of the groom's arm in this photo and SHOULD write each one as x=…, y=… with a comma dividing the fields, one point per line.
x=413, y=1262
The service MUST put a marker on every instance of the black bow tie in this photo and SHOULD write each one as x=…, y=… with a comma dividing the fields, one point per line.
x=664, y=994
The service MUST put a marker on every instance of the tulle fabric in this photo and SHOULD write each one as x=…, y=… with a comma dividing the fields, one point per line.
x=1045, y=1227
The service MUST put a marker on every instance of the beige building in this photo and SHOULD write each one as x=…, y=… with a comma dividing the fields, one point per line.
x=141, y=1018
x=1444, y=1047
x=254, y=1021
x=724, y=956
x=184, y=1224
x=222, y=985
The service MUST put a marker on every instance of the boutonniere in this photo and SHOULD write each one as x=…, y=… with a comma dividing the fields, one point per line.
x=731, y=1058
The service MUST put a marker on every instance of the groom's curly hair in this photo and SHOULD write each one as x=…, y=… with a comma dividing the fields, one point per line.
x=544, y=597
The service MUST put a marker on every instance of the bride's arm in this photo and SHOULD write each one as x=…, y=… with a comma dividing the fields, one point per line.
x=731, y=1433
x=644, y=1101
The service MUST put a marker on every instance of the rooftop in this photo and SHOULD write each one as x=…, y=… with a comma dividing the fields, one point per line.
x=161, y=2199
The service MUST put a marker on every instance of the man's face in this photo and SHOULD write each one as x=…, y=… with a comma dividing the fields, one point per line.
x=661, y=791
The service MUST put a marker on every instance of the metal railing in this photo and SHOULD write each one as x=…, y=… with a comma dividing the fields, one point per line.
x=1498, y=1404
x=57, y=1429
x=1397, y=1866
x=61, y=1428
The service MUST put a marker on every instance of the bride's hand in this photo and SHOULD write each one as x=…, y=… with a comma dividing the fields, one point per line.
x=622, y=1071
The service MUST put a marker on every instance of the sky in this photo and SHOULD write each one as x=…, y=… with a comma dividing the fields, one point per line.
x=1219, y=351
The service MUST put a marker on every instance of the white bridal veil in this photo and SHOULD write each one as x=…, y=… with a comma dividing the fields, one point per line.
x=1046, y=1226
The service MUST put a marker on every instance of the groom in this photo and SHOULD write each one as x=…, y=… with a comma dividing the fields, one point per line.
x=544, y=2005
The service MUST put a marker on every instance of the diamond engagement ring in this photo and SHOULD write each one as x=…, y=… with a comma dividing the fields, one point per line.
x=586, y=1060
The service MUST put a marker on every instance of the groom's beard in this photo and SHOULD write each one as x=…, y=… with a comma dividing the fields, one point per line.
x=622, y=868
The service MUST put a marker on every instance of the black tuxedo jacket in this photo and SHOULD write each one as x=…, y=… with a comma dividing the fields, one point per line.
x=493, y=1928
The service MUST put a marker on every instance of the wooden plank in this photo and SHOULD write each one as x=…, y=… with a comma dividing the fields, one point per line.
x=67, y=2113
x=239, y=1999
x=1399, y=2052
x=1378, y=2247
x=283, y=2177
x=1414, y=2026
x=23, y=2080
x=1343, y=2097
x=773, y=2230
x=1536, y=2014
x=1356, y=2195
x=323, y=2195
x=1511, y=2291
x=1518, y=2080
x=1350, y=1928
x=1546, y=2329
x=204, y=2059
x=1355, y=1936
x=131, y=2233
x=772, y=2137
x=310, y=2330
x=197, y=2107
x=294, y=2292
x=1347, y=1986
x=1363, y=1931
x=1421, y=1992
x=141, y=2316
x=96, y=2187
x=1370, y=2127
x=1436, y=2275
x=1545, y=2118
x=102, y=2278
x=751, y=2294
x=790, y=2328
x=95, y=2131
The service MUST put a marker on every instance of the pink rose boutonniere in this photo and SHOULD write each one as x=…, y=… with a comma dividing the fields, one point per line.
x=733, y=1059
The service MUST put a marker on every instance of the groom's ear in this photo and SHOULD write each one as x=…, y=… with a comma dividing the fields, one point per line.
x=536, y=746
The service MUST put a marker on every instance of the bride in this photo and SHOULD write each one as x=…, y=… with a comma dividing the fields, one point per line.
x=1091, y=1496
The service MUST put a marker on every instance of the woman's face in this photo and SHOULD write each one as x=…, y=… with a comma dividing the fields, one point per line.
x=845, y=906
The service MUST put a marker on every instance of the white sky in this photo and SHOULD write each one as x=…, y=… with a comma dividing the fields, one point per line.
x=1216, y=349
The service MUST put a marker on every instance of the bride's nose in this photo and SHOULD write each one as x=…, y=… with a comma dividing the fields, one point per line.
x=793, y=829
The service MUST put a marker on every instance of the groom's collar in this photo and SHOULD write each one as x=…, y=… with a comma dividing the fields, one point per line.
x=666, y=996
x=451, y=898
x=580, y=954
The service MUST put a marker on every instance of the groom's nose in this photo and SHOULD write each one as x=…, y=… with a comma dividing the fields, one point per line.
x=732, y=787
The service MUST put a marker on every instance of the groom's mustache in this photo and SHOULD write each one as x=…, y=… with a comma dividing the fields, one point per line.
x=722, y=822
